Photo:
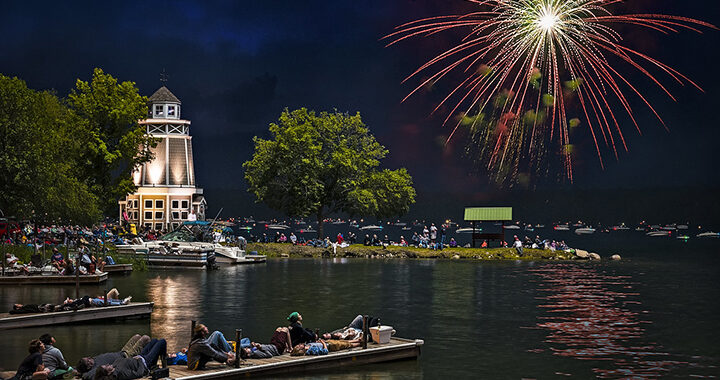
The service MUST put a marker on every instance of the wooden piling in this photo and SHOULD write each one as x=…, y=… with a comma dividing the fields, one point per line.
x=365, y=332
x=77, y=276
x=192, y=330
x=238, y=335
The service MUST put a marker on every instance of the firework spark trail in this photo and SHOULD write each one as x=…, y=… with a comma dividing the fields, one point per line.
x=559, y=41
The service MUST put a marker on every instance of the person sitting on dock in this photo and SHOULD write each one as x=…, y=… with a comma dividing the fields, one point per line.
x=314, y=349
x=134, y=367
x=205, y=347
x=53, y=359
x=57, y=260
x=32, y=366
x=299, y=334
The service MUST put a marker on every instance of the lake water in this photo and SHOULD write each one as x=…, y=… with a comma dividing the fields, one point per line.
x=651, y=315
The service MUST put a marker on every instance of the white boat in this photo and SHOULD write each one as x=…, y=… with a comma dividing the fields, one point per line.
x=562, y=227
x=658, y=233
x=669, y=228
x=467, y=230
x=682, y=227
x=308, y=231
x=585, y=231
x=371, y=228
x=511, y=227
x=277, y=227
x=709, y=234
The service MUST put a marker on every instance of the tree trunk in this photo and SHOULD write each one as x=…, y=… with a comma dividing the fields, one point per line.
x=320, y=223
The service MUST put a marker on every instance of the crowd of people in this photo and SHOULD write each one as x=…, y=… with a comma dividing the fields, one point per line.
x=141, y=355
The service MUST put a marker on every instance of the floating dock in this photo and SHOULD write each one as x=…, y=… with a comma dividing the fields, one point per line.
x=131, y=310
x=40, y=279
x=118, y=268
x=397, y=349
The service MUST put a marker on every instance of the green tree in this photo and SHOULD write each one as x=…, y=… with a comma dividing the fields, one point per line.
x=41, y=143
x=319, y=164
x=116, y=143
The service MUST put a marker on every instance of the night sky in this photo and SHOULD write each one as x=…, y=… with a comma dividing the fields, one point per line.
x=236, y=64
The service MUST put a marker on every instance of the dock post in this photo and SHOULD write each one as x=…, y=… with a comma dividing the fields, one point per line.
x=105, y=297
x=3, y=256
x=238, y=335
x=365, y=331
x=192, y=330
x=77, y=276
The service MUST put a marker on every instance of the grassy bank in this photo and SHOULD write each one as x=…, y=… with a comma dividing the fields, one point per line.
x=358, y=250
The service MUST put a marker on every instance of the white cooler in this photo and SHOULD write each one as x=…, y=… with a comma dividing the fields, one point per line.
x=381, y=334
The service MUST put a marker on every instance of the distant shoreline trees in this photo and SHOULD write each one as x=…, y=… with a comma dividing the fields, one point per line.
x=69, y=159
x=320, y=164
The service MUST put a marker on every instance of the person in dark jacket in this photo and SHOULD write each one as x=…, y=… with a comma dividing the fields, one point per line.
x=279, y=344
x=53, y=359
x=134, y=367
x=299, y=334
x=87, y=366
x=205, y=347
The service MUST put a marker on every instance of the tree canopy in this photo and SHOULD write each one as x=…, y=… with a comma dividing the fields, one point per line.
x=319, y=164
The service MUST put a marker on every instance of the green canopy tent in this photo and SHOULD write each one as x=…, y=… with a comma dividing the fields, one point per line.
x=487, y=214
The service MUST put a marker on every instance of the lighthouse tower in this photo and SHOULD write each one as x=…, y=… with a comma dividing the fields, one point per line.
x=167, y=194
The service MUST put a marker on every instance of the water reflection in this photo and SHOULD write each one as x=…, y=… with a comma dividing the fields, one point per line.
x=595, y=316
x=177, y=303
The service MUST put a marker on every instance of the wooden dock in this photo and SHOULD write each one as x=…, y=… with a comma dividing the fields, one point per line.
x=53, y=279
x=397, y=349
x=118, y=268
x=131, y=310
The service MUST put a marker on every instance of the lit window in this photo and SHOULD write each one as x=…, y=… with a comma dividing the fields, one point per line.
x=159, y=110
x=184, y=204
x=148, y=215
x=148, y=203
x=171, y=111
x=159, y=204
x=175, y=204
x=158, y=215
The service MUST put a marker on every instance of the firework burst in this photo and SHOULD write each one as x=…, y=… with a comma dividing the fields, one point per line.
x=546, y=53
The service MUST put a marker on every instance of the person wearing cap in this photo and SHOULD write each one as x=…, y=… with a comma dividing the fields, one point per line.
x=299, y=334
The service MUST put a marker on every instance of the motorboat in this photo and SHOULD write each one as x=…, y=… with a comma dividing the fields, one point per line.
x=658, y=233
x=196, y=244
x=511, y=227
x=562, y=227
x=585, y=231
x=539, y=226
x=709, y=235
x=371, y=228
x=277, y=226
x=467, y=230
x=682, y=227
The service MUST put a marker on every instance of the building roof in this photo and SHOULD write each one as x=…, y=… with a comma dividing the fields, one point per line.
x=163, y=95
x=480, y=214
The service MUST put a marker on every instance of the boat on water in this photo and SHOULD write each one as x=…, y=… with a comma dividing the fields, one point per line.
x=709, y=234
x=585, y=231
x=539, y=226
x=682, y=227
x=511, y=227
x=277, y=227
x=371, y=227
x=467, y=230
x=308, y=231
x=406, y=228
x=196, y=244
x=657, y=233
x=562, y=227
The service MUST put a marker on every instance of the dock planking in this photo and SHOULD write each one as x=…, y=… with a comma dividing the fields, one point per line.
x=53, y=279
x=131, y=310
x=397, y=349
x=118, y=268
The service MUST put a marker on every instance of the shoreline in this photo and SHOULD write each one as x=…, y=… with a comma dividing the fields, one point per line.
x=287, y=250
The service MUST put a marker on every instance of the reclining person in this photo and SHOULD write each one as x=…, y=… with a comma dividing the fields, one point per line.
x=279, y=344
x=53, y=359
x=133, y=367
x=87, y=366
x=352, y=331
x=310, y=349
x=32, y=366
x=205, y=347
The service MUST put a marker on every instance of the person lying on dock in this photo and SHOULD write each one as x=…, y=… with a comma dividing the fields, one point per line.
x=88, y=366
x=13, y=262
x=134, y=367
x=299, y=334
x=279, y=344
x=352, y=331
x=314, y=349
x=205, y=347
x=32, y=367
x=53, y=359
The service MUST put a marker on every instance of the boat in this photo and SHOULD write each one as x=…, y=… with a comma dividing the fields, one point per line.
x=671, y=227
x=277, y=226
x=406, y=228
x=658, y=233
x=339, y=222
x=196, y=244
x=683, y=237
x=682, y=227
x=511, y=227
x=709, y=235
x=585, y=231
x=371, y=228
x=640, y=229
x=308, y=231
x=621, y=227
x=539, y=226
x=467, y=230
x=562, y=227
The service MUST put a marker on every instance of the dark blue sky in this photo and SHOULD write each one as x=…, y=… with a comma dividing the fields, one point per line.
x=237, y=64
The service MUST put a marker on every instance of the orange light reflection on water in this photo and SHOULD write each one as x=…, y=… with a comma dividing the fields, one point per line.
x=176, y=306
